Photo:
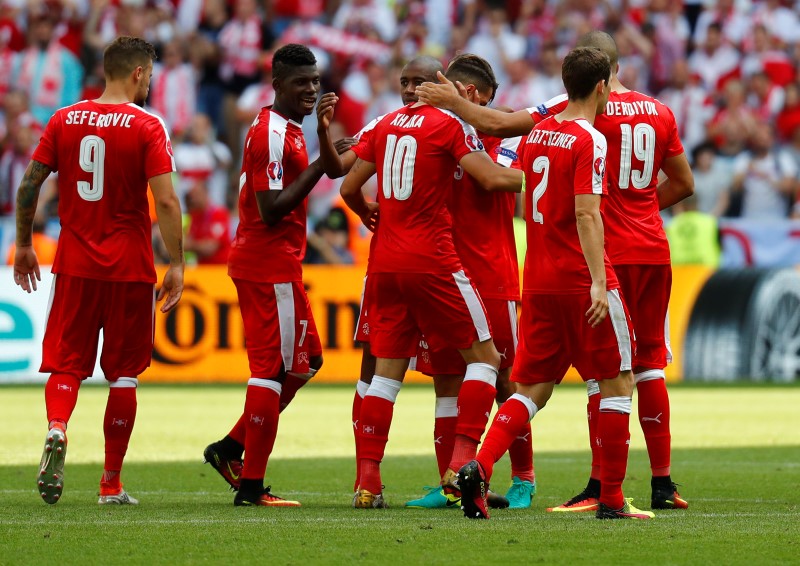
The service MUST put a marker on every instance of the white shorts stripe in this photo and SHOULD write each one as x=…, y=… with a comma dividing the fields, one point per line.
x=620, y=323
x=474, y=305
x=666, y=338
x=284, y=298
x=360, y=308
x=512, y=318
x=50, y=300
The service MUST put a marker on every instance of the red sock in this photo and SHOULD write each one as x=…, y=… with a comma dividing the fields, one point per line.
x=374, y=423
x=593, y=417
x=521, y=455
x=117, y=427
x=510, y=421
x=239, y=431
x=654, y=418
x=614, y=440
x=444, y=438
x=261, y=409
x=291, y=385
x=358, y=398
x=60, y=397
x=475, y=400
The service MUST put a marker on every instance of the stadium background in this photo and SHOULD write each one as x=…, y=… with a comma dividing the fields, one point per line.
x=722, y=88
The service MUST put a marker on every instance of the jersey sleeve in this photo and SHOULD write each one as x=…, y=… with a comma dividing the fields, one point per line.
x=590, y=165
x=365, y=148
x=673, y=141
x=158, y=153
x=549, y=108
x=365, y=133
x=46, y=152
x=506, y=153
x=260, y=159
x=460, y=138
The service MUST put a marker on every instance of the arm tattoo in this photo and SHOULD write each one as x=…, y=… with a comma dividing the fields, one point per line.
x=27, y=198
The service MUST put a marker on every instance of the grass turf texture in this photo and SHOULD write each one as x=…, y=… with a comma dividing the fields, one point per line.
x=735, y=452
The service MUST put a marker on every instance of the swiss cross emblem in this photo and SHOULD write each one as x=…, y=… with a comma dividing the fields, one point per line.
x=298, y=141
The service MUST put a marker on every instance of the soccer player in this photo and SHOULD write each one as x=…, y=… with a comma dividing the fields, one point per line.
x=416, y=283
x=572, y=311
x=642, y=137
x=103, y=270
x=484, y=239
x=283, y=346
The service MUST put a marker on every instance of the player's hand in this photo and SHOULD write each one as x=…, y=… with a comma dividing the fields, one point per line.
x=599, y=309
x=344, y=144
x=370, y=218
x=325, y=108
x=442, y=95
x=26, y=268
x=171, y=288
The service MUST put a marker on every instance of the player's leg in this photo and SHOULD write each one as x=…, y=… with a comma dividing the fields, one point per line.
x=367, y=369
x=69, y=350
x=309, y=337
x=127, y=349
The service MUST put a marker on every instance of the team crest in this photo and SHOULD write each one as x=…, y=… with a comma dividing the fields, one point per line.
x=600, y=166
x=275, y=170
x=302, y=358
x=169, y=147
x=298, y=141
x=473, y=142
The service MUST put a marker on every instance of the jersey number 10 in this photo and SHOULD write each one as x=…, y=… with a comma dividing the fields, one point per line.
x=92, y=160
x=398, y=166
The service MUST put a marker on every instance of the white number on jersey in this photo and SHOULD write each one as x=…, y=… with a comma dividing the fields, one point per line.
x=398, y=166
x=92, y=160
x=641, y=142
x=540, y=165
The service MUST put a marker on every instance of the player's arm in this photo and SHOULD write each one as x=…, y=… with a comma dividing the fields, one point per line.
x=489, y=175
x=168, y=211
x=26, y=264
x=488, y=120
x=353, y=196
x=679, y=182
x=590, y=233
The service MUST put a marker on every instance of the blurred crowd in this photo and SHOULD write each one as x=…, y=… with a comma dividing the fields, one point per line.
x=727, y=68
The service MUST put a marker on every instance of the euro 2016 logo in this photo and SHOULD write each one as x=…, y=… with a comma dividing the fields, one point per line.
x=473, y=142
x=275, y=171
x=599, y=166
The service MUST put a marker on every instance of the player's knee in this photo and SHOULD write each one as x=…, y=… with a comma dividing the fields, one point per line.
x=315, y=362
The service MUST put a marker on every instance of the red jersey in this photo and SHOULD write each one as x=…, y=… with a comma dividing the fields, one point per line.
x=641, y=133
x=212, y=223
x=560, y=160
x=105, y=220
x=274, y=155
x=416, y=149
x=483, y=226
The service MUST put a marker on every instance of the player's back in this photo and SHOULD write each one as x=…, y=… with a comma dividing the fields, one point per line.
x=560, y=160
x=104, y=155
x=416, y=150
x=641, y=133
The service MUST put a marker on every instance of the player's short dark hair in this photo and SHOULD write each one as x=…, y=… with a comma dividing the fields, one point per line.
x=126, y=53
x=289, y=57
x=583, y=67
x=469, y=68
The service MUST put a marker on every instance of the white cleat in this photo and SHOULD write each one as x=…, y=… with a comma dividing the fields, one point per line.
x=121, y=498
x=50, y=481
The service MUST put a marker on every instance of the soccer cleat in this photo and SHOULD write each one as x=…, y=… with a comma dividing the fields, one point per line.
x=230, y=470
x=665, y=495
x=364, y=499
x=520, y=494
x=50, y=481
x=627, y=511
x=584, y=501
x=437, y=498
x=496, y=501
x=474, y=488
x=264, y=499
x=121, y=498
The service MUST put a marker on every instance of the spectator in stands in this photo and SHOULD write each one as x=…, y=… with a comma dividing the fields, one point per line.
x=694, y=236
x=14, y=161
x=206, y=55
x=689, y=103
x=787, y=122
x=733, y=23
x=713, y=178
x=734, y=122
x=209, y=231
x=765, y=97
x=255, y=97
x=173, y=91
x=15, y=112
x=368, y=18
x=201, y=157
x=496, y=41
x=764, y=56
x=765, y=177
x=714, y=59
x=50, y=74
x=329, y=243
x=781, y=22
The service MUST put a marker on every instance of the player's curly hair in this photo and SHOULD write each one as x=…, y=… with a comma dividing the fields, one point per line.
x=289, y=57
x=126, y=53
x=470, y=68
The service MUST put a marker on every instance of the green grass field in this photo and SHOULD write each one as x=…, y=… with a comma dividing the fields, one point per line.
x=736, y=454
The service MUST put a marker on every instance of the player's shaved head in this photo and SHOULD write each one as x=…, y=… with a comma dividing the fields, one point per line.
x=124, y=54
x=417, y=71
x=602, y=41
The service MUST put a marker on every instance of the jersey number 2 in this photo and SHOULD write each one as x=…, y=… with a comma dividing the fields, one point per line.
x=398, y=166
x=540, y=165
x=92, y=160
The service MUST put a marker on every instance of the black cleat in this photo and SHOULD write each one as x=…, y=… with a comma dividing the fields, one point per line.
x=665, y=494
x=496, y=501
x=229, y=469
x=627, y=511
x=474, y=489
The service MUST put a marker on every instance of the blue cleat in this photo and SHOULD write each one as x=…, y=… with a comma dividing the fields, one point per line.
x=437, y=498
x=520, y=494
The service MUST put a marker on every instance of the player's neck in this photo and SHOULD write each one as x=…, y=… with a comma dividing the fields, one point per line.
x=617, y=86
x=116, y=93
x=579, y=110
x=281, y=109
